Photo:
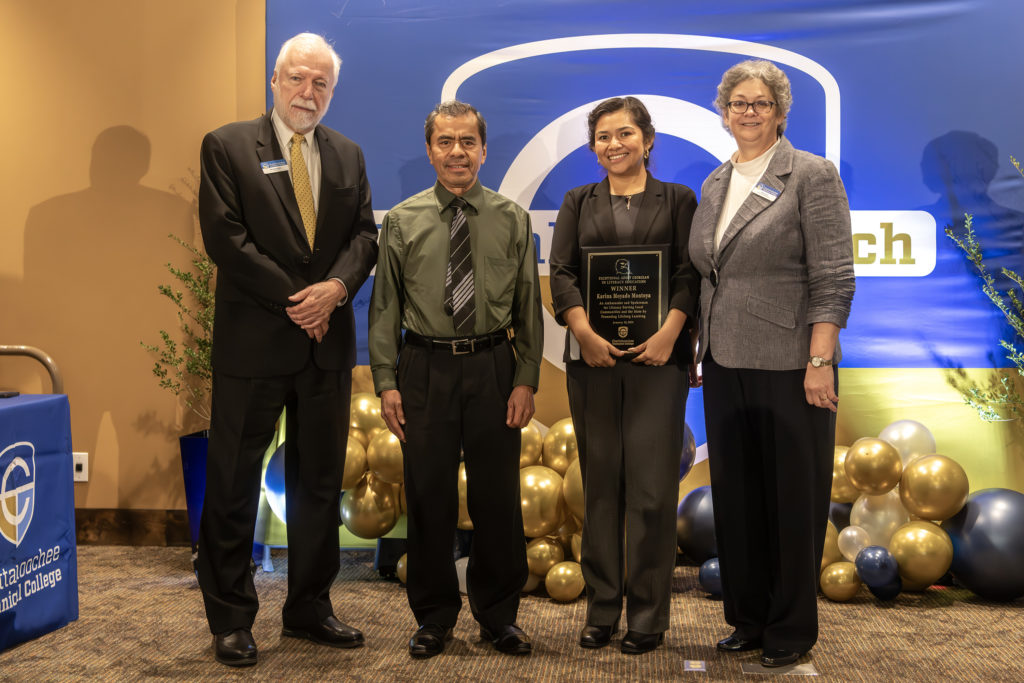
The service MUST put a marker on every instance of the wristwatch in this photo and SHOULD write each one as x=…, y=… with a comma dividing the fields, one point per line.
x=819, y=362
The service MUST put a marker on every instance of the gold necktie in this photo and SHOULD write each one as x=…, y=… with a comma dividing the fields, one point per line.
x=303, y=190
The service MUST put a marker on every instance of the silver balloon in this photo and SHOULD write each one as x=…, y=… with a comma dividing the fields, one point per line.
x=910, y=438
x=852, y=540
x=880, y=516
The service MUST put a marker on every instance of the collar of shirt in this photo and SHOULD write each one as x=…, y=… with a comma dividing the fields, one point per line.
x=474, y=197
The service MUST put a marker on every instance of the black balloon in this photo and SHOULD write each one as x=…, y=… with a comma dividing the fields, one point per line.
x=695, y=525
x=839, y=513
x=887, y=591
x=988, y=544
x=689, y=452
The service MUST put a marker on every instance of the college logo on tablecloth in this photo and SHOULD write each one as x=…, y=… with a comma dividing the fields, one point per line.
x=17, y=490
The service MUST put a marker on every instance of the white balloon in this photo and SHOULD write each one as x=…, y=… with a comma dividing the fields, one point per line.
x=852, y=540
x=910, y=438
x=880, y=516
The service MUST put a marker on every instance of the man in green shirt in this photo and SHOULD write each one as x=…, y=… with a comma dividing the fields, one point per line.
x=457, y=269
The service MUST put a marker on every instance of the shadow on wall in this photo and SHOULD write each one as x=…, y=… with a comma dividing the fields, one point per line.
x=93, y=260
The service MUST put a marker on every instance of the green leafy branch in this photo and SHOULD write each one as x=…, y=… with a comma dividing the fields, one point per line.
x=185, y=368
x=999, y=399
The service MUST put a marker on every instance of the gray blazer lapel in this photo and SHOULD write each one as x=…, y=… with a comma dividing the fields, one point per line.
x=714, y=196
x=780, y=165
x=650, y=207
x=268, y=149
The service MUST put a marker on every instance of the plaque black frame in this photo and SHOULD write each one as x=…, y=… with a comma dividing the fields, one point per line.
x=602, y=271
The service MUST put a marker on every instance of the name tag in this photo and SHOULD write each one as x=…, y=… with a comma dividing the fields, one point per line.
x=766, y=191
x=275, y=166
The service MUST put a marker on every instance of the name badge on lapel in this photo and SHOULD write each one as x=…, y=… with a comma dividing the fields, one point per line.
x=766, y=191
x=275, y=166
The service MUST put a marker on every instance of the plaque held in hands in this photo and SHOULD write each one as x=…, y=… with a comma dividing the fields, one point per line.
x=626, y=291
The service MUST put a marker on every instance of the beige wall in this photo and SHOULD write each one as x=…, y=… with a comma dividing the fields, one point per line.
x=110, y=101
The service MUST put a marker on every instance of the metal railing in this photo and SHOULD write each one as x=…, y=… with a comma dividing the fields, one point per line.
x=32, y=352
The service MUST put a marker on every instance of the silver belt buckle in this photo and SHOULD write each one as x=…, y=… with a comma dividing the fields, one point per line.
x=455, y=346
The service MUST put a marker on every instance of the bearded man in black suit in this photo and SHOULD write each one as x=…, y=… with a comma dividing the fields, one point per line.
x=284, y=206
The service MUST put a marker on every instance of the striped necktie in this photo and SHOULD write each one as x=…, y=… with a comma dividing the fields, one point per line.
x=303, y=190
x=458, y=283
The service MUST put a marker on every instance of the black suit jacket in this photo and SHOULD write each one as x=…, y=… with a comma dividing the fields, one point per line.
x=585, y=219
x=253, y=231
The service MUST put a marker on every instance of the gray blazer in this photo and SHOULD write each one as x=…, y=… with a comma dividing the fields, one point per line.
x=782, y=264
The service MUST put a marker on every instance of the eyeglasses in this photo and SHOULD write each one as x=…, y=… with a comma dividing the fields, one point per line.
x=741, y=107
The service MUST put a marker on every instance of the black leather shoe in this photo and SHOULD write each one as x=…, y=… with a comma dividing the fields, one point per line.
x=736, y=644
x=636, y=643
x=772, y=658
x=330, y=632
x=235, y=648
x=428, y=641
x=596, y=636
x=509, y=639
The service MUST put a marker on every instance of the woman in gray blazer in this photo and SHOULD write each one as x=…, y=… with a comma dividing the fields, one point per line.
x=771, y=239
x=627, y=404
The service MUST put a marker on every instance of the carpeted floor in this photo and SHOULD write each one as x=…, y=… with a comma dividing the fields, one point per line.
x=142, y=619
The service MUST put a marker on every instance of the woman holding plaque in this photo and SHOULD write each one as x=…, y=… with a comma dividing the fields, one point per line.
x=625, y=239
x=771, y=240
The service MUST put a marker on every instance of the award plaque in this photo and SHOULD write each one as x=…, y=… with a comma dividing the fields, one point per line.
x=626, y=291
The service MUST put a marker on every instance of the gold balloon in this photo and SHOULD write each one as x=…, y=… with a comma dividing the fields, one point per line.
x=540, y=489
x=563, y=534
x=360, y=436
x=839, y=581
x=465, y=523
x=831, y=553
x=560, y=448
x=933, y=487
x=532, y=445
x=873, y=465
x=364, y=414
x=564, y=582
x=577, y=545
x=384, y=458
x=370, y=510
x=355, y=464
x=922, y=551
x=402, y=568
x=842, y=490
x=572, y=489
x=532, y=581
x=542, y=554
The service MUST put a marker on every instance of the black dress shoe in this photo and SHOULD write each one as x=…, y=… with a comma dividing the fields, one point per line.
x=773, y=658
x=636, y=643
x=736, y=644
x=509, y=639
x=235, y=648
x=596, y=636
x=429, y=641
x=330, y=632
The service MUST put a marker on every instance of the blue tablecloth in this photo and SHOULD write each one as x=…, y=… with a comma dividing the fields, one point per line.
x=38, y=559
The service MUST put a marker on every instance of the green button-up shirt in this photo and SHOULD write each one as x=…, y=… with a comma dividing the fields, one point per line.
x=408, y=288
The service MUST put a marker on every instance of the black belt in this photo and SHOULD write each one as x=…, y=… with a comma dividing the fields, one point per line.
x=457, y=346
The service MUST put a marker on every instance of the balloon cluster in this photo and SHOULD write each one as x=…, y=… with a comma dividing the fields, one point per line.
x=911, y=521
x=374, y=494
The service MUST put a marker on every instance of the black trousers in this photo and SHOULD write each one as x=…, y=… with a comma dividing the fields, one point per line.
x=245, y=411
x=452, y=403
x=770, y=456
x=629, y=428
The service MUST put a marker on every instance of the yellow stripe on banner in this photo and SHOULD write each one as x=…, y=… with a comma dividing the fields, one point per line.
x=992, y=453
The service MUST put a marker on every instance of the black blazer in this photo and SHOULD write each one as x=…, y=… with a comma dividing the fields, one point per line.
x=586, y=219
x=253, y=231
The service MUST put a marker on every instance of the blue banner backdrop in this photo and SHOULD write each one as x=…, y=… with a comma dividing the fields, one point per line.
x=914, y=101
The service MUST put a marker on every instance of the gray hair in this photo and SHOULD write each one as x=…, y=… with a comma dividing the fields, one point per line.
x=454, y=108
x=312, y=42
x=761, y=70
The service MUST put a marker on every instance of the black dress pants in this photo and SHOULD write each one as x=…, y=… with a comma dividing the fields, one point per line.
x=245, y=412
x=628, y=421
x=454, y=402
x=770, y=456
